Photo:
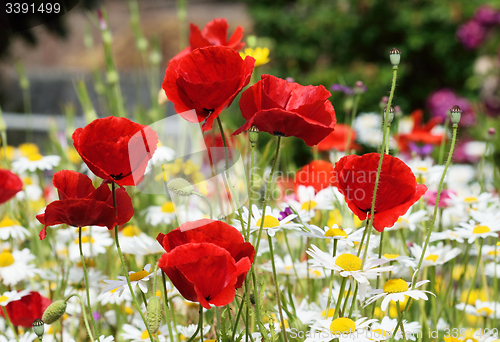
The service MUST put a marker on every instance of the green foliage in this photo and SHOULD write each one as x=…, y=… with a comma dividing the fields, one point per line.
x=341, y=41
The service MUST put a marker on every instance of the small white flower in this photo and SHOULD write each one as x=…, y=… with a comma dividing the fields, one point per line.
x=385, y=329
x=481, y=309
x=482, y=229
x=35, y=162
x=273, y=220
x=410, y=220
x=93, y=244
x=345, y=329
x=311, y=201
x=10, y=227
x=188, y=331
x=136, y=279
x=156, y=215
x=396, y=290
x=134, y=241
x=435, y=255
x=12, y=296
x=15, y=266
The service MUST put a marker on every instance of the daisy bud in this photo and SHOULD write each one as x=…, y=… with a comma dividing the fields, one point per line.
x=54, y=311
x=253, y=135
x=395, y=56
x=180, y=186
x=38, y=328
x=455, y=114
x=390, y=115
x=153, y=315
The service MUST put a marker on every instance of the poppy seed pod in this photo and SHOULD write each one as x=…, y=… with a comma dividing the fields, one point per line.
x=38, y=328
x=180, y=186
x=455, y=114
x=54, y=311
x=395, y=56
x=253, y=135
x=153, y=314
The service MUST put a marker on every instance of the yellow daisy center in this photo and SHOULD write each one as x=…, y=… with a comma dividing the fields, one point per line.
x=432, y=257
x=390, y=256
x=6, y=259
x=129, y=311
x=138, y=275
x=9, y=151
x=35, y=157
x=85, y=239
x=309, y=205
x=27, y=181
x=342, y=325
x=348, y=262
x=486, y=311
x=131, y=231
x=8, y=222
x=330, y=313
x=3, y=298
x=470, y=199
x=145, y=335
x=395, y=286
x=381, y=332
x=402, y=220
x=333, y=232
x=422, y=168
x=481, y=229
x=167, y=207
x=315, y=273
x=27, y=149
x=269, y=222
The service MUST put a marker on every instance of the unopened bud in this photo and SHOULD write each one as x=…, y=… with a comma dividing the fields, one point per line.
x=383, y=102
x=455, y=114
x=38, y=328
x=112, y=77
x=253, y=135
x=54, y=311
x=491, y=131
x=153, y=314
x=398, y=112
x=180, y=186
x=395, y=56
x=389, y=116
x=141, y=44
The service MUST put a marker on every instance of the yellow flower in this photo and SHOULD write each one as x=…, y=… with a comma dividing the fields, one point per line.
x=9, y=151
x=261, y=55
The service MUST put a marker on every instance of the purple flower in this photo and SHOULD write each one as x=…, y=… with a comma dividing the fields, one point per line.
x=421, y=150
x=342, y=88
x=441, y=101
x=285, y=213
x=487, y=16
x=471, y=34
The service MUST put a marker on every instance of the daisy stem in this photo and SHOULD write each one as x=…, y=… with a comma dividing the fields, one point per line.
x=124, y=269
x=167, y=308
x=400, y=315
x=331, y=280
x=462, y=276
x=380, y=257
x=277, y=287
x=250, y=189
x=473, y=280
x=87, y=290
x=339, y=299
x=7, y=318
x=84, y=314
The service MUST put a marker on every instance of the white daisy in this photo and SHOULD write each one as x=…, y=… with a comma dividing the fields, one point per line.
x=162, y=154
x=35, y=162
x=136, y=279
x=385, y=329
x=343, y=328
x=425, y=171
x=103, y=338
x=481, y=309
x=435, y=255
x=309, y=200
x=345, y=236
x=410, y=220
x=12, y=296
x=482, y=229
x=273, y=221
x=368, y=129
x=10, y=227
x=156, y=215
x=349, y=265
x=15, y=266
x=138, y=333
x=447, y=234
x=406, y=261
x=93, y=244
x=188, y=331
x=286, y=266
x=396, y=290
x=134, y=241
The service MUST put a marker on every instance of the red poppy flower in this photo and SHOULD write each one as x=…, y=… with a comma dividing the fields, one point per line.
x=206, y=80
x=397, y=189
x=116, y=149
x=206, y=260
x=420, y=134
x=10, y=185
x=214, y=33
x=318, y=174
x=80, y=204
x=338, y=139
x=24, y=311
x=287, y=109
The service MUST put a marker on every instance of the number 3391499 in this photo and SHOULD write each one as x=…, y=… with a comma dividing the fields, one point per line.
x=25, y=7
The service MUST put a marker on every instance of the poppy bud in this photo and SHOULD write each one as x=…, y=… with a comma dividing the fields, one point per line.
x=54, y=311
x=153, y=314
x=180, y=186
x=38, y=328
x=390, y=115
x=455, y=114
x=253, y=135
x=395, y=56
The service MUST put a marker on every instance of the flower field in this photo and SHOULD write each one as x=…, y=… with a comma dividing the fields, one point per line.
x=186, y=226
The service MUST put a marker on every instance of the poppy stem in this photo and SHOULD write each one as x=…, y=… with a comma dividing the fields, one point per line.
x=124, y=268
x=250, y=190
x=84, y=314
x=86, y=280
x=199, y=328
x=167, y=309
x=7, y=318
x=277, y=287
x=207, y=201
x=473, y=281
